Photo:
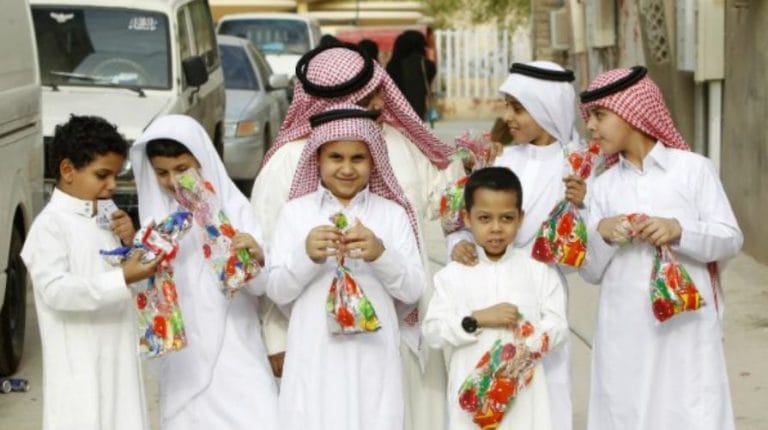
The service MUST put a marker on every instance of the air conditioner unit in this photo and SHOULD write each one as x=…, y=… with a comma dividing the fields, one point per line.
x=559, y=29
x=601, y=23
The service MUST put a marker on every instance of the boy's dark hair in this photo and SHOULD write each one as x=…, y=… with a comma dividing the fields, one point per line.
x=492, y=178
x=82, y=139
x=369, y=47
x=166, y=148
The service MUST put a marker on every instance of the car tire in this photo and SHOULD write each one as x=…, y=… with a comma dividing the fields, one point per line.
x=13, y=313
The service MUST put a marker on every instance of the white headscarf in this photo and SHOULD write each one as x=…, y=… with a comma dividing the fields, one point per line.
x=188, y=372
x=552, y=104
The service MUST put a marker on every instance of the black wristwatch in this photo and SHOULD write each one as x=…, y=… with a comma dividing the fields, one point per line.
x=469, y=324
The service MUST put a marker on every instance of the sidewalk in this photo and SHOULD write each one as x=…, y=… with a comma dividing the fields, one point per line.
x=745, y=282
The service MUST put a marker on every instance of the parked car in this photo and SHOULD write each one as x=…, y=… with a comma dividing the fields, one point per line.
x=256, y=106
x=283, y=37
x=21, y=171
x=128, y=62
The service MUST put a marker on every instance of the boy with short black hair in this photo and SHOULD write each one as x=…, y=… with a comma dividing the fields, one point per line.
x=91, y=371
x=476, y=306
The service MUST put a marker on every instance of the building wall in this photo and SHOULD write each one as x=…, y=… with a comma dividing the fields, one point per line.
x=540, y=28
x=744, y=161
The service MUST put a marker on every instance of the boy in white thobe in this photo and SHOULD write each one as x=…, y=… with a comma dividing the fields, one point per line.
x=540, y=114
x=648, y=374
x=91, y=371
x=221, y=379
x=475, y=305
x=344, y=381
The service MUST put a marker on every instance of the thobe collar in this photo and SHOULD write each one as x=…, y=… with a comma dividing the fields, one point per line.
x=69, y=203
x=544, y=152
x=325, y=197
x=658, y=156
x=483, y=257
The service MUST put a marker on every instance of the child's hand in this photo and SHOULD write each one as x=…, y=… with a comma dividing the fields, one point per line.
x=609, y=228
x=322, y=242
x=122, y=226
x=502, y=315
x=465, y=253
x=135, y=270
x=276, y=362
x=361, y=242
x=659, y=231
x=575, y=190
x=247, y=242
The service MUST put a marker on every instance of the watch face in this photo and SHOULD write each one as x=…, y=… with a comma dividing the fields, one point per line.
x=469, y=324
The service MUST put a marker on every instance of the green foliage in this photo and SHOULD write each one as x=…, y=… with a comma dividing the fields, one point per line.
x=505, y=13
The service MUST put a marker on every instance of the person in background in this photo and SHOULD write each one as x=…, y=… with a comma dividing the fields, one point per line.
x=412, y=71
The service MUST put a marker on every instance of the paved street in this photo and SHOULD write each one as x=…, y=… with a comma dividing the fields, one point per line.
x=746, y=337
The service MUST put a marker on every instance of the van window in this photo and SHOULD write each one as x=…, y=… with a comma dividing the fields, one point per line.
x=205, y=37
x=91, y=46
x=238, y=72
x=272, y=36
x=185, y=48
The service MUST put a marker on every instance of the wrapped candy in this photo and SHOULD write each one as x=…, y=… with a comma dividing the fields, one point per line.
x=672, y=290
x=235, y=267
x=562, y=237
x=349, y=310
x=452, y=200
x=507, y=368
x=161, y=325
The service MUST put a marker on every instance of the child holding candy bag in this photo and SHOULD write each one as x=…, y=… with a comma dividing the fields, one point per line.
x=653, y=368
x=221, y=378
x=343, y=369
x=92, y=376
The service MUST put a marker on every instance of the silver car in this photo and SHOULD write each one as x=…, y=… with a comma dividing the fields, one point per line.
x=256, y=106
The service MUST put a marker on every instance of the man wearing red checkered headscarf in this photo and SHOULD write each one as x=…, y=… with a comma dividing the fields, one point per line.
x=344, y=382
x=343, y=74
x=648, y=374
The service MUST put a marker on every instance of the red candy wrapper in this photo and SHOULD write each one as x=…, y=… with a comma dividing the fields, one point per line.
x=452, y=200
x=349, y=310
x=672, y=291
x=489, y=391
x=562, y=237
x=235, y=267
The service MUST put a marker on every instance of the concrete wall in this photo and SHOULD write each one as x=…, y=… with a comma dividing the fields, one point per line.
x=744, y=162
x=542, y=50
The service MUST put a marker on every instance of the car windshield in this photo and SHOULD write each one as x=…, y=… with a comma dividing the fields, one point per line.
x=272, y=36
x=102, y=47
x=238, y=70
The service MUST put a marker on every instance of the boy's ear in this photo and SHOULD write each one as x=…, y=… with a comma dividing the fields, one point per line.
x=465, y=215
x=67, y=170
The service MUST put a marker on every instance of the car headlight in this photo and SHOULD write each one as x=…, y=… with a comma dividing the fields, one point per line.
x=246, y=128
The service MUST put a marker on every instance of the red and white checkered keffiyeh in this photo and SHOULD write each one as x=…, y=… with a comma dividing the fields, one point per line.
x=642, y=105
x=338, y=65
x=382, y=181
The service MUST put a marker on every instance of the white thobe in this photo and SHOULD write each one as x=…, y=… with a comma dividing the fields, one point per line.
x=516, y=278
x=646, y=374
x=541, y=170
x=423, y=185
x=332, y=381
x=91, y=369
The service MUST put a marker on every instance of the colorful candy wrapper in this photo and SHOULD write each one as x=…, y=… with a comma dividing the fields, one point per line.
x=161, y=325
x=489, y=391
x=562, y=237
x=235, y=267
x=672, y=291
x=452, y=200
x=349, y=310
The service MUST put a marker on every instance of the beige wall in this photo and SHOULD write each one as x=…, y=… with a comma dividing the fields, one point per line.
x=744, y=163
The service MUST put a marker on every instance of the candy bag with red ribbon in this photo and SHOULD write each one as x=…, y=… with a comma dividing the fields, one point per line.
x=562, y=237
x=672, y=291
x=452, y=200
x=349, y=310
x=489, y=391
x=234, y=267
x=161, y=325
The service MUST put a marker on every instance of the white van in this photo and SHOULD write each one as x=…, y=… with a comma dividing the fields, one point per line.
x=282, y=37
x=21, y=171
x=128, y=62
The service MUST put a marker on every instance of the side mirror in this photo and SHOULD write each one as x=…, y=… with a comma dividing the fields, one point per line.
x=195, y=70
x=279, y=81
